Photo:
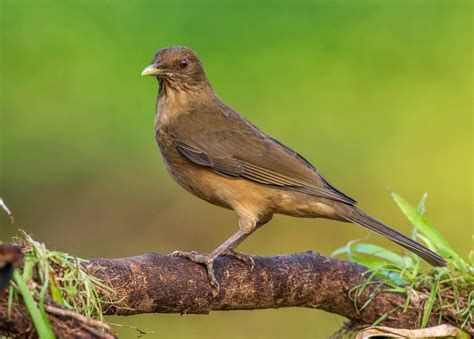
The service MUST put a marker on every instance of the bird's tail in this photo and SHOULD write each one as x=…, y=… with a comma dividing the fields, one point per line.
x=359, y=217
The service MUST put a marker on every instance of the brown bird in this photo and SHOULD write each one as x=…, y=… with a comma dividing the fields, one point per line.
x=219, y=156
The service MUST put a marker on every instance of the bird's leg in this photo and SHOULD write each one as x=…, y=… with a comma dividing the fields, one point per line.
x=208, y=259
x=248, y=225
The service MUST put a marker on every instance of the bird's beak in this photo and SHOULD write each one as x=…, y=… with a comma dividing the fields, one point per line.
x=152, y=70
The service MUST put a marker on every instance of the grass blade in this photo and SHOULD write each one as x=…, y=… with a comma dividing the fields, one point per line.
x=11, y=292
x=429, y=303
x=382, y=253
x=43, y=327
x=423, y=225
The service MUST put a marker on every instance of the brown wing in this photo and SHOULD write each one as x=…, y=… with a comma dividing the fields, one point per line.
x=231, y=146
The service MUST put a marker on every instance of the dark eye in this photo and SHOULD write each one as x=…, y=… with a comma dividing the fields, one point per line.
x=183, y=63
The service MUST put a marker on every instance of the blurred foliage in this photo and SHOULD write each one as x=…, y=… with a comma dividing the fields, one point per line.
x=374, y=93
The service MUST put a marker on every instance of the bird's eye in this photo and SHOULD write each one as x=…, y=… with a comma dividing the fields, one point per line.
x=183, y=63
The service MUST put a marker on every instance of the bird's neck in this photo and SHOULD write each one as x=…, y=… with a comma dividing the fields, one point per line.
x=174, y=101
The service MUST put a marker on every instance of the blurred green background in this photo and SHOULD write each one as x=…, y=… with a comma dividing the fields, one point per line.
x=376, y=94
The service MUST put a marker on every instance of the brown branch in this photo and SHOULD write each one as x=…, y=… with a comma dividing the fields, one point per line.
x=155, y=283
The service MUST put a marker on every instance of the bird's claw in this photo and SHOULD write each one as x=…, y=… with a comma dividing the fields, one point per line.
x=246, y=259
x=205, y=260
x=188, y=255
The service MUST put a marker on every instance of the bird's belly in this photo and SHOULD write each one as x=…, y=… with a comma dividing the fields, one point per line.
x=250, y=198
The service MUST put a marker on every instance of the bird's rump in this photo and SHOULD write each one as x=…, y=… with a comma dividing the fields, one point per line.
x=244, y=151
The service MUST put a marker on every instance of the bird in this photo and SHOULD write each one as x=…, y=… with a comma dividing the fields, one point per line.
x=216, y=154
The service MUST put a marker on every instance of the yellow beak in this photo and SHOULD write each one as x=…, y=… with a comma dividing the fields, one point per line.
x=151, y=70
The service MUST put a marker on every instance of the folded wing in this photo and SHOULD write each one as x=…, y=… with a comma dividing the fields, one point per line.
x=231, y=146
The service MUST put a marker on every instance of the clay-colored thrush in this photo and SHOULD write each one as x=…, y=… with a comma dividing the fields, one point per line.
x=218, y=155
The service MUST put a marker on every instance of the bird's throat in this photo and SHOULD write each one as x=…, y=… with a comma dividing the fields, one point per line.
x=171, y=103
x=175, y=99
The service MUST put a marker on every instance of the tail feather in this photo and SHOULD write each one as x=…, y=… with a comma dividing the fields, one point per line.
x=373, y=224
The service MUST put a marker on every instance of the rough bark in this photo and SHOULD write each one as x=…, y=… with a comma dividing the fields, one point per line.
x=155, y=283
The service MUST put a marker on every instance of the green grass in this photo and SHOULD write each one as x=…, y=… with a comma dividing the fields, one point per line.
x=446, y=292
x=60, y=277
x=38, y=315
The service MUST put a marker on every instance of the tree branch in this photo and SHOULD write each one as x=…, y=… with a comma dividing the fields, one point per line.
x=155, y=283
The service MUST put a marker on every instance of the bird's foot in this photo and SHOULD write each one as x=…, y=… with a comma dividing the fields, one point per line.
x=204, y=259
x=246, y=259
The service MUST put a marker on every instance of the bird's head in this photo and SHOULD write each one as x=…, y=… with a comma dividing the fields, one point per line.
x=178, y=67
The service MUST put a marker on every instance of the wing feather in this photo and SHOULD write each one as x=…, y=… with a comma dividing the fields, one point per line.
x=233, y=147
